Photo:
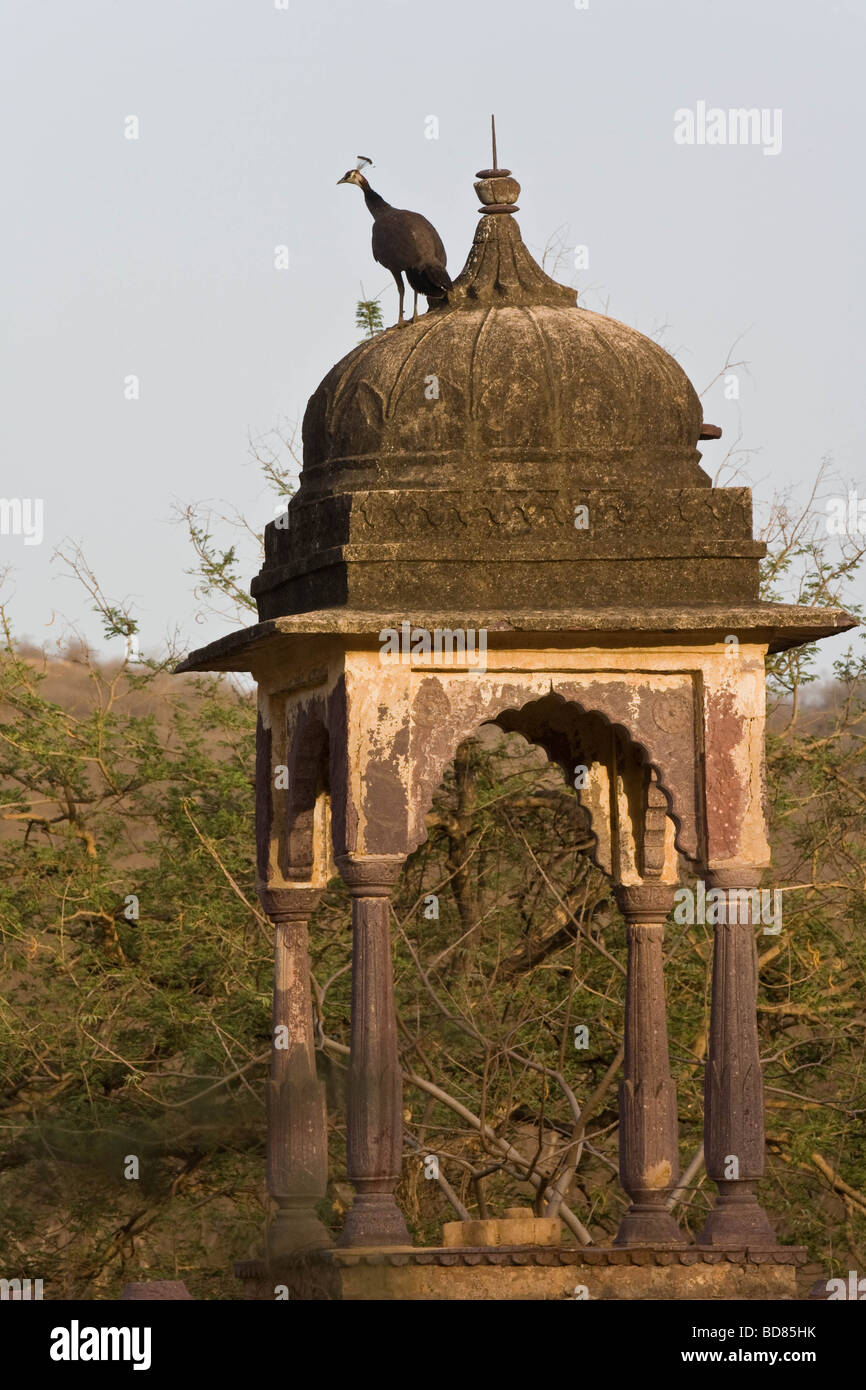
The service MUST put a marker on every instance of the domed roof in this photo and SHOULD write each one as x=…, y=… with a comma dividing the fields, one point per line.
x=509, y=380
x=508, y=449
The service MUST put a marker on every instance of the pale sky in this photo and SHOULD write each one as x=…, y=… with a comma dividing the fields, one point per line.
x=155, y=256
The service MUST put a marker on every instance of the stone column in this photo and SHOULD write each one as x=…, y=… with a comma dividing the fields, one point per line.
x=374, y=1121
x=297, y=1158
x=648, y=1149
x=734, y=1087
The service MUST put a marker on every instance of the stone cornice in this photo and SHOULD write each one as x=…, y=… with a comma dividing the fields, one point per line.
x=778, y=625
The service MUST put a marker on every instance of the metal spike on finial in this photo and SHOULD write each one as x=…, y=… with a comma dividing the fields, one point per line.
x=492, y=173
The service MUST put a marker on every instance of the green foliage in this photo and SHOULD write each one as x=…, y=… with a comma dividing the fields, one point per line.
x=149, y=1034
x=217, y=570
x=122, y=1036
x=368, y=318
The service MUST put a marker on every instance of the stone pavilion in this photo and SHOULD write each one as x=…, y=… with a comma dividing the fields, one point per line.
x=516, y=466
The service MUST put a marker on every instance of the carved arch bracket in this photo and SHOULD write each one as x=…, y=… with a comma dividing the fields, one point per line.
x=661, y=720
x=656, y=716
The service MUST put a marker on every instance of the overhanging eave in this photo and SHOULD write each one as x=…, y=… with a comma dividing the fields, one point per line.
x=778, y=625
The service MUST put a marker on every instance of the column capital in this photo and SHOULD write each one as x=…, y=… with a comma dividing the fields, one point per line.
x=370, y=875
x=645, y=902
x=291, y=903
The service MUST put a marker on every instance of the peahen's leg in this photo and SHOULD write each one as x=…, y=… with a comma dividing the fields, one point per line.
x=398, y=276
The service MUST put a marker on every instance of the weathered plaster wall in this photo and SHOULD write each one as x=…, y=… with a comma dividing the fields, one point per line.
x=697, y=712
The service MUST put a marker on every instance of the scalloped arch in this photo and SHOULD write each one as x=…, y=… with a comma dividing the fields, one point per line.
x=658, y=722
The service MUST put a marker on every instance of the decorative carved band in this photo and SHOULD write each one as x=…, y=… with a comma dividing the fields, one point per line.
x=370, y=876
x=296, y=903
x=612, y=510
x=645, y=902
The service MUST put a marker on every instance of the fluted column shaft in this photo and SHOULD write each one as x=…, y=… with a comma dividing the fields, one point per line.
x=648, y=1146
x=374, y=1121
x=734, y=1087
x=297, y=1144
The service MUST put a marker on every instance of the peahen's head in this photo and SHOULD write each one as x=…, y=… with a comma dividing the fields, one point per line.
x=355, y=175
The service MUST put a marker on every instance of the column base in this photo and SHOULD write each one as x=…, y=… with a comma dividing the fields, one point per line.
x=374, y=1219
x=645, y=1223
x=737, y=1219
x=294, y=1230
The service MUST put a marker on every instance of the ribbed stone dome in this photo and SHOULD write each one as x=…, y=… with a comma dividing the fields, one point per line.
x=509, y=450
x=510, y=382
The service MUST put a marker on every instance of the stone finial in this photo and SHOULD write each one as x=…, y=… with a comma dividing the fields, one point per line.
x=497, y=190
x=500, y=269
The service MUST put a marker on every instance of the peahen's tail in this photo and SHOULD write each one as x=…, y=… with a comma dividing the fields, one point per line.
x=432, y=280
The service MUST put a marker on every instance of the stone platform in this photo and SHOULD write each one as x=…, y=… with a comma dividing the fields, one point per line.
x=529, y=1272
